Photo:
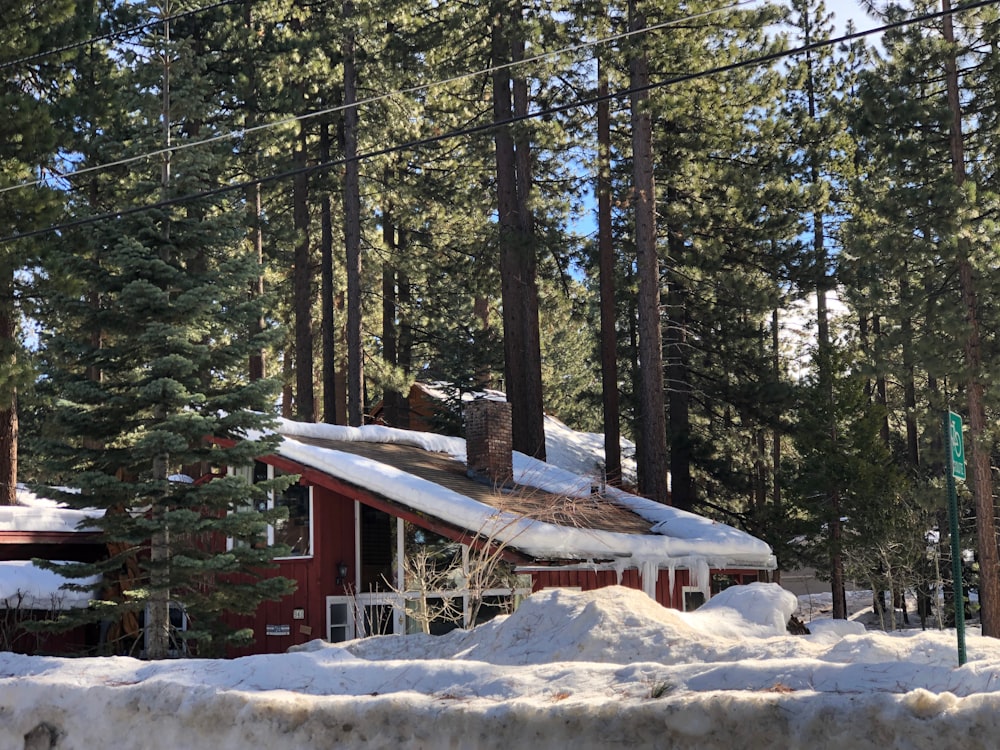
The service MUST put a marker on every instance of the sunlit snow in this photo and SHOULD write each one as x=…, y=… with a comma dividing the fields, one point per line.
x=607, y=668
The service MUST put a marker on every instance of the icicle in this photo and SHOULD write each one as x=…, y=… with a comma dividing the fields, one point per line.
x=621, y=565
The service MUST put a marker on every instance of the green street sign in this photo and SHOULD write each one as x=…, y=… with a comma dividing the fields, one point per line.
x=957, y=445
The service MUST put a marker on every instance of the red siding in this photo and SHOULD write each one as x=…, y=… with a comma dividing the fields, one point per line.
x=588, y=580
x=585, y=580
x=333, y=543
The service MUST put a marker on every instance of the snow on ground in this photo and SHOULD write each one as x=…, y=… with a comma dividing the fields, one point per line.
x=607, y=668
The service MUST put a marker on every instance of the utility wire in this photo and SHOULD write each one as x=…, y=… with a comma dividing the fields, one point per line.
x=112, y=35
x=486, y=127
x=235, y=134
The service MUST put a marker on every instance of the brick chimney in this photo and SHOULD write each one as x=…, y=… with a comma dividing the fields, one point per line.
x=489, y=441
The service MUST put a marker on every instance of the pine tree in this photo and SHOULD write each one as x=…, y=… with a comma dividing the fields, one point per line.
x=146, y=342
x=31, y=79
x=814, y=85
x=920, y=224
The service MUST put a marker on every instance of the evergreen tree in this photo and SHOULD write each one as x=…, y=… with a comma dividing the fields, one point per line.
x=145, y=345
x=31, y=79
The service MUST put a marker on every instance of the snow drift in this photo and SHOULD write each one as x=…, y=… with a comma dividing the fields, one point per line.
x=607, y=668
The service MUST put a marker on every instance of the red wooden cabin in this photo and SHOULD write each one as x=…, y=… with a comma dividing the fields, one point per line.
x=371, y=501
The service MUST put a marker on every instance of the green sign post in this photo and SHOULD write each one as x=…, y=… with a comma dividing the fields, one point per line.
x=957, y=446
x=956, y=470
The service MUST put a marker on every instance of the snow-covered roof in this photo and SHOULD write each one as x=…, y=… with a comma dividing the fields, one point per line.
x=677, y=539
x=579, y=452
x=24, y=586
x=33, y=513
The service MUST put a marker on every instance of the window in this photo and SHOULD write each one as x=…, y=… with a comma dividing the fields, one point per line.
x=693, y=598
x=361, y=615
x=295, y=531
x=341, y=620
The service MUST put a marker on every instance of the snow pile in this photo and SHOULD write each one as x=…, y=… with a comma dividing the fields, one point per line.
x=607, y=668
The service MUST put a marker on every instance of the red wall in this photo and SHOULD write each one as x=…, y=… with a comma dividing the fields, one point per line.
x=585, y=580
x=333, y=543
x=588, y=580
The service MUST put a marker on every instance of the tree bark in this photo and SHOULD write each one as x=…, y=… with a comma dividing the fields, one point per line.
x=8, y=414
x=257, y=365
x=606, y=266
x=157, y=622
x=305, y=404
x=332, y=408
x=979, y=452
x=678, y=388
x=519, y=291
x=391, y=398
x=652, y=443
x=352, y=231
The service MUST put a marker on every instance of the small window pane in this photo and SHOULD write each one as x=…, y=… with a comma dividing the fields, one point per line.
x=295, y=531
x=693, y=599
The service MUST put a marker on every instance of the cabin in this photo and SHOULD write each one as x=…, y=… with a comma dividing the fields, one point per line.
x=395, y=531
x=39, y=528
x=399, y=531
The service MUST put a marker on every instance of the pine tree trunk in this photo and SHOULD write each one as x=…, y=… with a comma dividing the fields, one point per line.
x=404, y=353
x=332, y=409
x=606, y=265
x=679, y=390
x=909, y=377
x=881, y=387
x=776, y=436
x=340, y=369
x=518, y=289
x=8, y=414
x=352, y=232
x=305, y=405
x=391, y=397
x=258, y=361
x=652, y=443
x=979, y=452
x=257, y=365
x=824, y=359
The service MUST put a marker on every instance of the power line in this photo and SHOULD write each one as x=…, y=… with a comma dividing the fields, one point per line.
x=485, y=127
x=112, y=35
x=232, y=135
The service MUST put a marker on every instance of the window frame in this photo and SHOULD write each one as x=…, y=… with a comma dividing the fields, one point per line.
x=248, y=473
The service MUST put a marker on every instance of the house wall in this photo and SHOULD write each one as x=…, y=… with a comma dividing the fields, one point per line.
x=315, y=576
x=667, y=595
x=584, y=580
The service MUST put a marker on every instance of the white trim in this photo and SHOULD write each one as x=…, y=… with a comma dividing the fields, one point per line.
x=349, y=624
x=357, y=547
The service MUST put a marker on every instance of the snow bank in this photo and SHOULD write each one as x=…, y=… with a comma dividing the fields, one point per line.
x=607, y=668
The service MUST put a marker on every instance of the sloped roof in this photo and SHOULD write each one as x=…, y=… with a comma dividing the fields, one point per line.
x=552, y=515
x=592, y=512
x=40, y=518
